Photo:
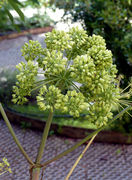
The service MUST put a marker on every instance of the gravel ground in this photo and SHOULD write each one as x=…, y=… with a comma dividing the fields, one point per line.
x=101, y=161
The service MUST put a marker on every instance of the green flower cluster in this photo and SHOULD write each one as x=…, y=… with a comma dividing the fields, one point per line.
x=51, y=97
x=25, y=83
x=102, y=57
x=70, y=58
x=48, y=98
x=83, y=69
x=58, y=40
x=54, y=62
x=95, y=40
x=30, y=51
x=74, y=103
x=79, y=38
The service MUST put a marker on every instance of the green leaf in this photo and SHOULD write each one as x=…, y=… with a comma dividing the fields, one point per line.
x=9, y=15
x=12, y=19
x=35, y=1
x=17, y=9
x=19, y=3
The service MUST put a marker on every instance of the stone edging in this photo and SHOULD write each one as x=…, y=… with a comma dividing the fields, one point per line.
x=71, y=132
x=26, y=32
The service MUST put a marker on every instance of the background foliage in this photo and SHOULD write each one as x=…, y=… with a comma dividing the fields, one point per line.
x=8, y=22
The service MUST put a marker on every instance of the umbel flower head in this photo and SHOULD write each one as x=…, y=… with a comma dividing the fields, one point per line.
x=70, y=58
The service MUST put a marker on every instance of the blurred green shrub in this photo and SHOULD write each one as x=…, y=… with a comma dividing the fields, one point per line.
x=39, y=19
x=10, y=23
x=110, y=19
x=6, y=17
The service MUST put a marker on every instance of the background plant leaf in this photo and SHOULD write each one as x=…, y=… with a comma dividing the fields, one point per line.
x=17, y=9
x=9, y=15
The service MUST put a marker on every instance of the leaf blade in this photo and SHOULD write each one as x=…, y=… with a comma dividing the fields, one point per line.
x=17, y=9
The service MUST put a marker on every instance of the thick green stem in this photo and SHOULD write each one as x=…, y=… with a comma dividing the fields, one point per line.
x=14, y=136
x=86, y=138
x=44, y=137
x=36, y=171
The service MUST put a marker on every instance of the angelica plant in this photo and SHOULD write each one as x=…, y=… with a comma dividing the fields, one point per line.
x=70, y=58
x=77, y=74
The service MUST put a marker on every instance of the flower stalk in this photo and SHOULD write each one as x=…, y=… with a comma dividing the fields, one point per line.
x=80, y=157
x=44, y=137
x=36, y=171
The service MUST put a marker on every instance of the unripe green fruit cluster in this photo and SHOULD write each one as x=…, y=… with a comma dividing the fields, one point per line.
x=50, y=98
x=70, y=58
x=26, y=79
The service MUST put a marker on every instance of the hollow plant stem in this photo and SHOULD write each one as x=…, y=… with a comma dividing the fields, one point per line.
x=44, y=137
x=86, y=138
x=36, y=171
x=79, y=158
x=36, y=174
x=14, y=135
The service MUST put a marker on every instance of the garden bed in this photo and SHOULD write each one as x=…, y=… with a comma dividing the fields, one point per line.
x=105, y=136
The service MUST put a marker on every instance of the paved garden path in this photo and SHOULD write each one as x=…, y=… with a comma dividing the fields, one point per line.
x=10, y=50
x=101, y=162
